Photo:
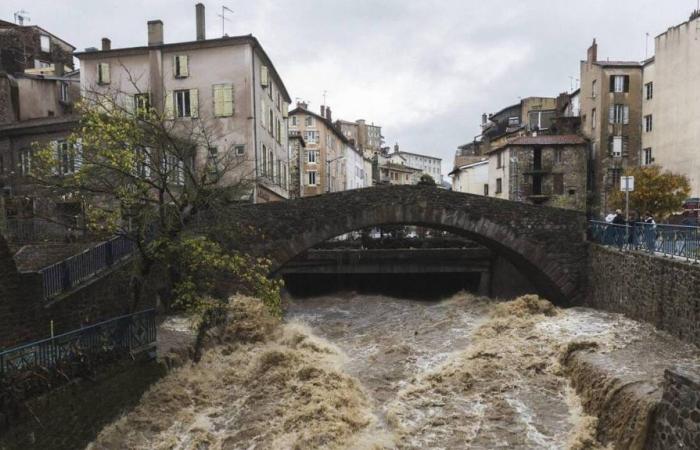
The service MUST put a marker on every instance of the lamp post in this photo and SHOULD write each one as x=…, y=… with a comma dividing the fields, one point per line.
x=328, y=172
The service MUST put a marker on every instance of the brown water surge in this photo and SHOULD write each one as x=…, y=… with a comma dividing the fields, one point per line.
x=357, y=371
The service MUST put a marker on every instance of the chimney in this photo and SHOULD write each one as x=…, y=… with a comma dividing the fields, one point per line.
x=396, y=147
x=302, y=105
x=155, y=32
x=483, y=119
x=593, y=52
x=201, y=32
x=106, y=44
x=323, y=111
x=328, y=114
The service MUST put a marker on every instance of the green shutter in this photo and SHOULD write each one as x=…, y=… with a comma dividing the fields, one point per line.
x=169, y=105
x=194, y=103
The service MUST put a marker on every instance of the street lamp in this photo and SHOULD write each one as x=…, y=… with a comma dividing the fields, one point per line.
x=328, y=172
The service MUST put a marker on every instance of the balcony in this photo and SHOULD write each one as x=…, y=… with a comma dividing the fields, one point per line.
x=537, y=169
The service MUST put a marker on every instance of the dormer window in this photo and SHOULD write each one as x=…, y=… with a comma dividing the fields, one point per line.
x=181, y=66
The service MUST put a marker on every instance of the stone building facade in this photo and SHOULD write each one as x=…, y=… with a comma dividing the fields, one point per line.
x=227, y=85
x=546, y=169
x=297, y=147
x=611, y=117
x=367, y=138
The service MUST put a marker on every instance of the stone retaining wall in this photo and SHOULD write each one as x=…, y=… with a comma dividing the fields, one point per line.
x=677, y=423
x=662, y=291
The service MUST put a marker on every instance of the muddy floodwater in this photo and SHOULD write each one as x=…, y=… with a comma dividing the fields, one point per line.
x=369, y=371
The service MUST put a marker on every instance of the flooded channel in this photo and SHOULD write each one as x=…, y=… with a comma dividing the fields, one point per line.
x=369, y=371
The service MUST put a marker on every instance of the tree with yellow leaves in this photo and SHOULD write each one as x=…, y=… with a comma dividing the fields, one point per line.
x=659, y=192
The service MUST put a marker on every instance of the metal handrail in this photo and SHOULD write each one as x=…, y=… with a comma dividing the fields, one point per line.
x=124, y=333
x=670, y=240
x=72, y=271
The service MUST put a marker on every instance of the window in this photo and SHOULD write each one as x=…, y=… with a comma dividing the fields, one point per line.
x=540, y=120
x=142, y=104
x=499, y=160
x=311, y=156
x=619, y=83
x=279, y=131
x=264, y=160
x=311, y=137
x=25, y=161
x=594, y=88
x=311, y=178
x=213, y=160
x=223, y=100
x=486, y=190
x=594, y=118
x=45, y=43
x=617, y=146
x=649, y=88
x=646, y=157
x=271, y=165
x=513, y=121
x=103, y=73
x=185, y=103
x=499, y=185
x=271, y=122
x=65, y=157
x=63, y=94
x=558, y=155
x=648, y=124
x=143, y=162
x=619, y=114
x=239, y=150
x=181, y=66
x=615, y=174
x=309, y=121
x=264, y=76
x=294, y=121
x=174, y=170
x=558, y=181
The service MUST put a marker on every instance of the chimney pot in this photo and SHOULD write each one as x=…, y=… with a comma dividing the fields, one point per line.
x=201, y=30
x=328, y=114
x=106, y=44
x=155, y=32
x=323, y=111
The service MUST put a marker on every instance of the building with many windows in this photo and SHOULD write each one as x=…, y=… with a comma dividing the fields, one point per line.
x=426, y=165
x=330, y=163
x=367, y=138
x=671, y=102
x=228, y=85
x=611, y=117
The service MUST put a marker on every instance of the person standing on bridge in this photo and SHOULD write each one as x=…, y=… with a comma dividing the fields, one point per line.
x=650, y=232
x=619, y=225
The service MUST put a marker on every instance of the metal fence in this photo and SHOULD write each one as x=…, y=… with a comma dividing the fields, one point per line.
x=125, y=334
x=670, y=240
x=64, y=275
x=36, y=230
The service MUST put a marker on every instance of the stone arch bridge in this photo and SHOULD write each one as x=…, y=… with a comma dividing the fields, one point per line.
x=546, y=244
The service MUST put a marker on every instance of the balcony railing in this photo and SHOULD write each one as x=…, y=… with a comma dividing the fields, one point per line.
x=540, y=168
x=669, y=240
x=121, y=335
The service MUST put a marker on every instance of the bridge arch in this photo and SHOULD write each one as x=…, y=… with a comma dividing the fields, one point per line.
x=546, y=244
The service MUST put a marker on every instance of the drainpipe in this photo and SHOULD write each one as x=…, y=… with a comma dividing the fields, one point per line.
x=255, y=124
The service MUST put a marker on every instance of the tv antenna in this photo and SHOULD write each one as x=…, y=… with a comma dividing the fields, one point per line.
x=324, y=97
x=21, y=16
x=224, y=19
x=646, y=44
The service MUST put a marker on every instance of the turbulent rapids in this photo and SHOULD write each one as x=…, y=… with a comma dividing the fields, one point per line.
x=358, y=371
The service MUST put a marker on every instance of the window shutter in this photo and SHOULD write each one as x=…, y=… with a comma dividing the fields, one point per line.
x=626, y=114
x=611, y=114
x=56, y=158
x=612, y=83
x=184, y=66
x=130, y=104
x=228, y=99
x=103, y=73
x=218, y=100
x=610, y=145
x=194, y=103
x=176, y=62
x=264, y=76
x=624, y=147
x=169, y=106
x=78, y=152
x=627, y=83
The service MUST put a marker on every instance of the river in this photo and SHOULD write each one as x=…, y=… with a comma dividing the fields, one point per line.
x=370, y=371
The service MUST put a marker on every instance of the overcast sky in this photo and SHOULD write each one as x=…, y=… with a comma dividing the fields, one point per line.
x=424, y=70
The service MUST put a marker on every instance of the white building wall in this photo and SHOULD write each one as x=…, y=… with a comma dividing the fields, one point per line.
x=501, y=173
x=675, y=139
x=354, y=168
x=471, y=179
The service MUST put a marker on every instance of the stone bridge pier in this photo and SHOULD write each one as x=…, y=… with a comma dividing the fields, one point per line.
x=547, y=245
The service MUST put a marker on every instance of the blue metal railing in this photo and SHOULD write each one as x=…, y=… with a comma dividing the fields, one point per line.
x=125, y=334
x=670, y=240
x=65, y=275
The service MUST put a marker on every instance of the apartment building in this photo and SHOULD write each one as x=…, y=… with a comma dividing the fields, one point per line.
x=367, y=138
x=671, y=102
x=611, y=117
x=531, y=114
x=324, y=165
x=227, y=85
x=426, y=165
x=38, y=89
